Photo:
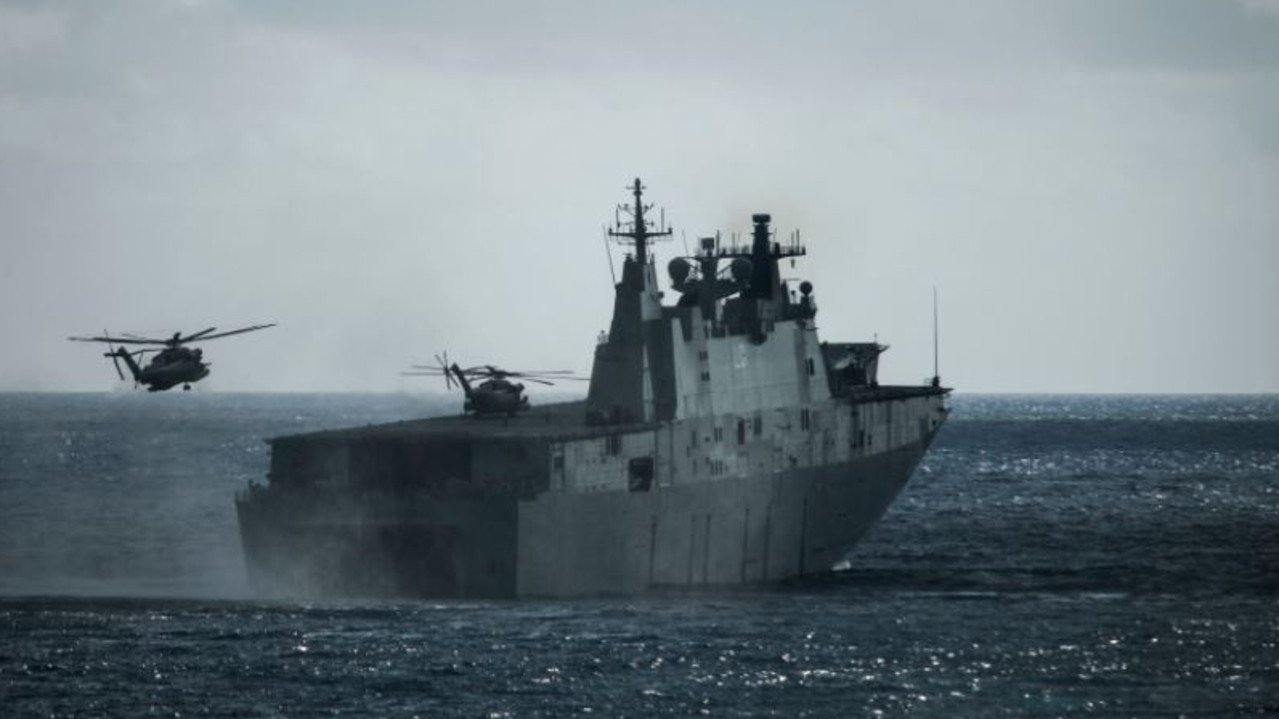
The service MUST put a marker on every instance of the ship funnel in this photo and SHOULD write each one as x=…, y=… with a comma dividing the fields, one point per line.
x=763, y=259
x=762, y=232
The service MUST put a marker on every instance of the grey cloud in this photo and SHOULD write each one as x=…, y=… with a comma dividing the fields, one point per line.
x=387, y=180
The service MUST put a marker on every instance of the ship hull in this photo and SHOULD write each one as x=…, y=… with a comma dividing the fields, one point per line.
x=721, y=442
x=732, y=531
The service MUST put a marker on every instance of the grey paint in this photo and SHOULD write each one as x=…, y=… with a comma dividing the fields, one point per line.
x=718, y=445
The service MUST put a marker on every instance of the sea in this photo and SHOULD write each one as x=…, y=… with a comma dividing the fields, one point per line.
x=1052, y=556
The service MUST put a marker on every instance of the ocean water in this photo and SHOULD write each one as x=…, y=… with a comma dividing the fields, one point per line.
x=1052, y=556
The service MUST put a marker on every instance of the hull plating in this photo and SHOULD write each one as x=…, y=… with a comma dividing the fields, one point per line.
x=728, y=532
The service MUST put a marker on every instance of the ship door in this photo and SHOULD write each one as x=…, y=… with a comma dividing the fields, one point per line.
x=640, y=470
x=663, y=465
x=557, y=466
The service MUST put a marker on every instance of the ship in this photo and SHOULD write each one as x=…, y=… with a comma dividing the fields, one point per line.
x=720, y=444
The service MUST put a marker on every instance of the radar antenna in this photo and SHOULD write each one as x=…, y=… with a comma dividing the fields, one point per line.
x=638, y=229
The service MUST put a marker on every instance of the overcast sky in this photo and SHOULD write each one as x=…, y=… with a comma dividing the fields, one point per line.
x=1093, y=187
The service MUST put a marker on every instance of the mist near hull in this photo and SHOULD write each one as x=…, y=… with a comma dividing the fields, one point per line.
x=131, y=494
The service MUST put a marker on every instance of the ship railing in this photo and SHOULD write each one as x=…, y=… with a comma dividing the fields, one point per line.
x=778, y=249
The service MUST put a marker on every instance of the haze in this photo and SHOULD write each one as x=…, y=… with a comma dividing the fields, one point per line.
x=1092, y=187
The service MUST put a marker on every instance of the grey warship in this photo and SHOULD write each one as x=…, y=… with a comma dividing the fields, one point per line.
x=721, y=443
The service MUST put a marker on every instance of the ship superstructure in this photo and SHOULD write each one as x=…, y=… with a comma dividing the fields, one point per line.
x=721, y=442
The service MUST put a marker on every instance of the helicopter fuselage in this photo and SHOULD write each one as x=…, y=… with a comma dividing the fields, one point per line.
x=184, y=371
x=489, y=390
x=169, y=368
x=496, y=397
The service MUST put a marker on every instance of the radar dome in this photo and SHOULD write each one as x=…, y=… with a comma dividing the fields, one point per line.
x=741, y=270
x=806, y=288
x=678, y=270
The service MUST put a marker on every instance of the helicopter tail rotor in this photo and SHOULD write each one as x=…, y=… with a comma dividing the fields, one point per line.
x=442, y=367
x=115, y=359
x=130, y=358
x=443, y=361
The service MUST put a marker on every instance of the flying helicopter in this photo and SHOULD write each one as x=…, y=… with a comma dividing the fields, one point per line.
x=496, y=393
x=172, y=364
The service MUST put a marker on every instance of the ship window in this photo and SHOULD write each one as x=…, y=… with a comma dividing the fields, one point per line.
x=719, y=434
x=557, y=462
x=759, y=426
x=692, y=439
x=613, y=444
x=805, y=420
x=706, y=376
x=741, y=431
x=812, y=367
x=703, y=355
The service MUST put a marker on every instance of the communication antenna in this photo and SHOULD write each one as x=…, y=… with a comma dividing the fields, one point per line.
x=609, y=254
x=936, y=371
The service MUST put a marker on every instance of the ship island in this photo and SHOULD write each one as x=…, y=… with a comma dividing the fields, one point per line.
x=721, y=443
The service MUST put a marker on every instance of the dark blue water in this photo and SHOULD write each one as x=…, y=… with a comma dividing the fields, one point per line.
x=1053, y=556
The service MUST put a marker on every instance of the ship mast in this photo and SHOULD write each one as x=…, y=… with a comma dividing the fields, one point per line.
x=637, y=229
x=622, y=386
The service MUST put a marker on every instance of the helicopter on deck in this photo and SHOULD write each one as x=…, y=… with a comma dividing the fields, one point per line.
x=172, y=364
x=495, y=393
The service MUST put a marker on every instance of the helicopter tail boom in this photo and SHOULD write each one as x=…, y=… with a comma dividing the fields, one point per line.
x=460, y=376
x=123, y=354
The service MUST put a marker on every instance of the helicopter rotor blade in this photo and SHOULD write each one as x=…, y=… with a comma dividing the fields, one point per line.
x=546, y=371
x=202, y=336
x=119, y=340
x=557, y=375
x=196, y=336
